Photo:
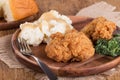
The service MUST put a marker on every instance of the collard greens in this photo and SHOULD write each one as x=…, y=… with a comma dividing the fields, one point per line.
x=109, y=47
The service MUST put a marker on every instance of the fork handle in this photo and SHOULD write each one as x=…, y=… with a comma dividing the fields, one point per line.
x=45, y=69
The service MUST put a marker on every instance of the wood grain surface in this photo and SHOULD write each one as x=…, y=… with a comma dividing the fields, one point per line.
x=68, y=7
x=95, y=65
x=15, y=24
x=8, y=73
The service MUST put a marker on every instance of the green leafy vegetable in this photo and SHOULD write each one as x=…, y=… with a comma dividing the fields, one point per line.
x=109, y=47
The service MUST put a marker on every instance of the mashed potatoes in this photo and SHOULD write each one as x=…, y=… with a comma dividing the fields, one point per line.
x=48, y=24
x=52, y=22
x=31, y=33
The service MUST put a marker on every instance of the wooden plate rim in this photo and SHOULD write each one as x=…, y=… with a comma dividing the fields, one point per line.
x=15, y=24
x=80, y=72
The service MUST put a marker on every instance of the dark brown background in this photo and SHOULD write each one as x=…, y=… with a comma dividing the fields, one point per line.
x=71, y=7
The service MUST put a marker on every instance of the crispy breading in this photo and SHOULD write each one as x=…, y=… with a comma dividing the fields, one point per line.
x=73, y=45
x=99, y=28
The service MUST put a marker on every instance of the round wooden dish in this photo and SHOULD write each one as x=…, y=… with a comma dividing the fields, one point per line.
x=15, y=24
x=94, y=65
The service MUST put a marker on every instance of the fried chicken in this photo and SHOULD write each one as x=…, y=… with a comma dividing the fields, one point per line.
x=73, y=45
x=99, y=28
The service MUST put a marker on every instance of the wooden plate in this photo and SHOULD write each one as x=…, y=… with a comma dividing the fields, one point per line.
x=15, y=24
x=94, y=65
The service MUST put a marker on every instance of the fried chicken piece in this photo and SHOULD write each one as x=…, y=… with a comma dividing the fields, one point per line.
x=58, y=49
x=99, y=28
x=73, y=45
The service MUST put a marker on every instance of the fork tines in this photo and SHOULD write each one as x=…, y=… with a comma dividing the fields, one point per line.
x=24, y=47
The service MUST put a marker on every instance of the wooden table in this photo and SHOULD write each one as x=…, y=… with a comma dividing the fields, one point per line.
x=72, y=7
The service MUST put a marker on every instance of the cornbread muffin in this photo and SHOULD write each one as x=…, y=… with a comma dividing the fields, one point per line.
x=18, y=9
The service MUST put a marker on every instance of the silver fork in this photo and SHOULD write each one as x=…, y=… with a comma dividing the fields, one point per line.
x=26, y=50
